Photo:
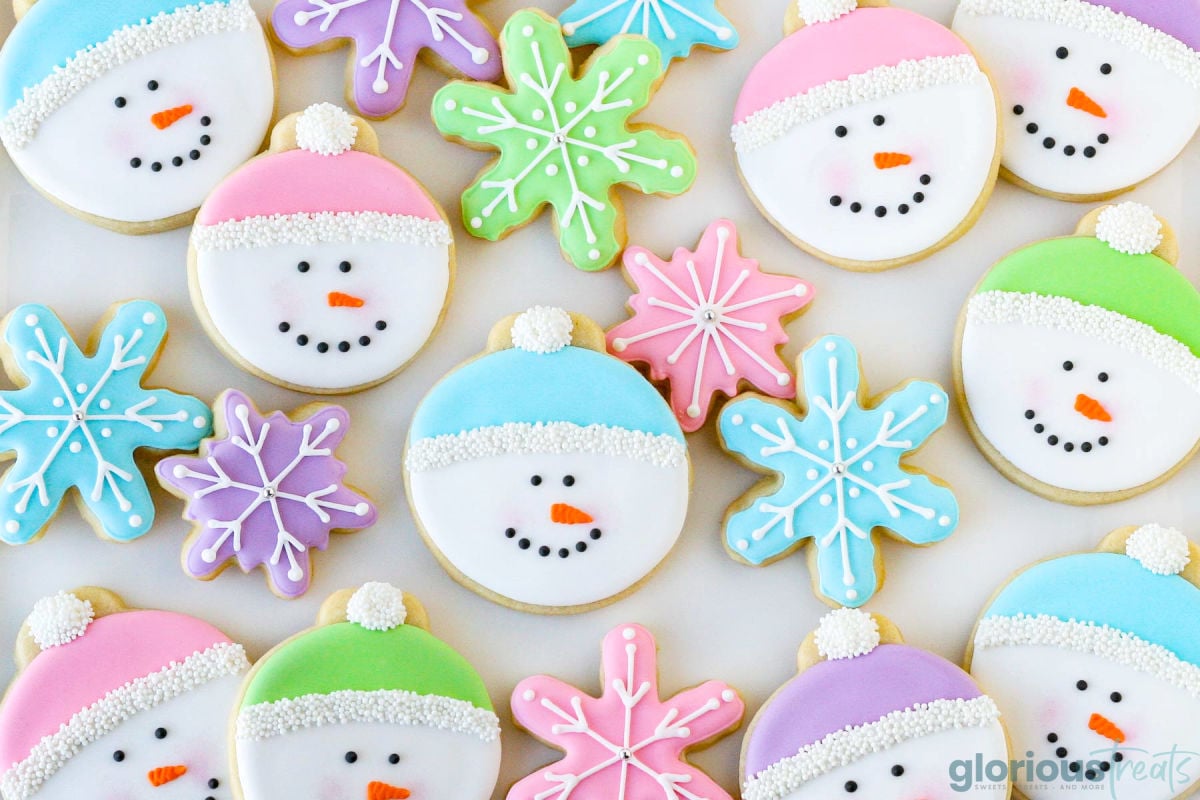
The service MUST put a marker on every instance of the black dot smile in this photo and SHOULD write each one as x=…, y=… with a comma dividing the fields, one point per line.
x=194, y=154
x=881, y=211
x=545, y=551
x=1054, y=440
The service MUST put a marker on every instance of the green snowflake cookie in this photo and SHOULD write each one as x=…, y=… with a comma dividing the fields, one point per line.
x=563, y=141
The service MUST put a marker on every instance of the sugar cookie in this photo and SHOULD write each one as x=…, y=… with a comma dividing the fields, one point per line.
x=675, y=26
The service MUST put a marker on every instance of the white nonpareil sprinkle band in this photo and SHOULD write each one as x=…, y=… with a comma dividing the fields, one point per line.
x=392, y=707
x=1091, y=639
x=325, y=227
x=24, y=778
x=850, y=744
x=130, y=43
x=542, y=438
x=772, y=123
x=1065, y=314
x=1102, y=22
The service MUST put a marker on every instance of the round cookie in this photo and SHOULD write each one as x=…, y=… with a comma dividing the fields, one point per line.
x=1078, y=360
x=366, y=704
x=545, y=474
x=385, y=38
x=869, y=136
x=1096, y=95
x=643, y=740
x=266, y=491
x=675, y=26
x=128, y=113
x=868, y=714
x=110, y=701
x=565, y=139
x=1095, y=659
x=320, y=265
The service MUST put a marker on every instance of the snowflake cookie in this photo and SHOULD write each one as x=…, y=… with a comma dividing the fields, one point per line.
x=675, y=26
x=78, y=419
x=266, y=491
x=837, y=473
x=708, y=320
x=564, y=140
x=627, y=743
x=387, y=36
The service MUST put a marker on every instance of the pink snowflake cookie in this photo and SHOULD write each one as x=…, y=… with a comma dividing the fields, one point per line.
x=266, y=491
x=705, y=321
x=627, y=744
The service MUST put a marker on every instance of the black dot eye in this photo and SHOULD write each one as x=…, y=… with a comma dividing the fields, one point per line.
x=351, y=756
x=119, y=102
x=879, y=120
x=1106, y=69
x=851, y=786
x=840, y=131
x=1062, y=52
x=1102, y=377
x=897, y=770
x=304, y=266
x=394, y=758
x=344, y=266
x=1068, y=366
x=1115, y=697
x=568, y=480
x=118, y=756
x=152, y=86
x=536, y=480
x=160, y=733
x=1081, y=685
x=213, y=783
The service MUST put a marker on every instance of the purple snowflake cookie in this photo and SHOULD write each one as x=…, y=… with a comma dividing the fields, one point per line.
x=266, y=491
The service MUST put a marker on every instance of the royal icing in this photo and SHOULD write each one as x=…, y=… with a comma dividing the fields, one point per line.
x=131, y=113
x=547, y=474
x=366, y=705
x=79, y=419
x=887, y=719
x=1096, y=96
x=628, y=743
x=266, y=492
x=1080, y=362
x=1094, y=658
x=840, y=473
x=321, y=265
x=675, y=26
x=564, y=141
x=122, y=704
x=706, y=321
x=868, y=136
x=387, y=36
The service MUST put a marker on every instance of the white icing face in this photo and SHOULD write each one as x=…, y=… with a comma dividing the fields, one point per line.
x=1037, y=688
x=313, y=764
x=927, y=770
x=83, y=154
x=120, y=765
x=494, y=519
x=1010, y=370
x=1058, y=81
x=811, y=179
x=297, y=314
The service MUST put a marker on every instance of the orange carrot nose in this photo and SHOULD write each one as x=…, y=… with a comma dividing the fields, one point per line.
x=343, y=300
x=165, y=119
x=1079, y=99
x=378, y=790
x=564, y=514
x=1090, y=407
x=892, y=160
x=162, y=775
x=1106, y=728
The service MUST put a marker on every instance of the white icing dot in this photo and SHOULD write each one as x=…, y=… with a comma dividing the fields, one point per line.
x=854, y=491
x=852, y=443
x=531, y=143
x=1163, y=551
x=643, y=60
x=629, y=633
x=295, y=573
x=106, y=404
x=135, y=520
x=851, y=594
x=326, y=130
x=1129, y=228
x=376, y=606
x=868, y=466
x=590, y=131
x=81, y=387
x=943, y=521
x=476, y=222
x=738, y=419
x=451, y=105
x=552, y=170
x=811, y=474
x=826, y=499
x=538, y=114
x=199, y=422
x=361, y=509
x=106, y=432
x=783, y=379
x=52, y=432
x=209, y=556
x=58, y=402
x=935, y=399
x=677, y=172
x=180, y=471
x=823, y=445
x=830, y=346
x=729, y=695
x=148, y=318
x=724, y=33
x=31, y=319
x=743, y=545
x=583, y=161
x=528, y=695
x=527, y=30
x=543, y=330
x=75, y=447
x=12, y=526
x=571, y=107
x=693, y=411
x=846, y=633
x=593, y=254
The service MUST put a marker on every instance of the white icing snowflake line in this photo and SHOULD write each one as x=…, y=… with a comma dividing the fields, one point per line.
x=648, y=8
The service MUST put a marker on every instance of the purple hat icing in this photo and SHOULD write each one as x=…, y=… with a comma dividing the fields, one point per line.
x=1178, y=18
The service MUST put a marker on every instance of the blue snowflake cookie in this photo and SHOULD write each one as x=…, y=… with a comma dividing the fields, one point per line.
x=838, y=472
x=674, y=26
x=78, y=419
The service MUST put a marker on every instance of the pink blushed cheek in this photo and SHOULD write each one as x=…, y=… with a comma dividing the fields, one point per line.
x=1026, y=83
x=837, y=177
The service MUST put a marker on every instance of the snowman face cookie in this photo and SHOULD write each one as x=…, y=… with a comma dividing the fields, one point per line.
x=1096, y=97
x=150, y=129
x=869, y=139
x=1093, y=658
x=546, y=474
x=320, y=266
x=1058, y=346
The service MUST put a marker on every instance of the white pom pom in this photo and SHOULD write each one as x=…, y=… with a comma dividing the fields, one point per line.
x=1129, y=228
x=1163, y=551
x=59, y=619
x=814, y=11
x=543, y=330
x=846, y=633
x=326, y=130
x=377, y=607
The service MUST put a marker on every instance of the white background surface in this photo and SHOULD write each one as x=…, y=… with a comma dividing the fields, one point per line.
x=713, y=617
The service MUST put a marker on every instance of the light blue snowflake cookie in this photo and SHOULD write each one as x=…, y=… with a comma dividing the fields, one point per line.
x=78, y=419
x=674, y=26
x=837, y=473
